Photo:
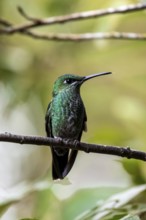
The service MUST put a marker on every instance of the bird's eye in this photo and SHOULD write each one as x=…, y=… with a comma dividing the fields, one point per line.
x=68, y=81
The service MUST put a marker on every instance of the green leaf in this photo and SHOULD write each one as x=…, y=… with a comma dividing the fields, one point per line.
x=128, y=217
x=134, y=168
x=116, y=205
x=86, y=199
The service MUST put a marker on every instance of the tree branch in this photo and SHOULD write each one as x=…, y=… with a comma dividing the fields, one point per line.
x=25, y=29
x=76, y=145
x=5, y=23
x=35, y=22
x=86, y=36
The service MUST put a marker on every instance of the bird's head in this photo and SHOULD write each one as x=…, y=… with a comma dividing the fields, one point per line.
x=70, y=81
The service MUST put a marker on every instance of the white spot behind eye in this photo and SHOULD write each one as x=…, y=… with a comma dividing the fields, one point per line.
x=68, y=81
x=65, y=81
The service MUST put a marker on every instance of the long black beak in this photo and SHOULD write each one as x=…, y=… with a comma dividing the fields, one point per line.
x=94, y=75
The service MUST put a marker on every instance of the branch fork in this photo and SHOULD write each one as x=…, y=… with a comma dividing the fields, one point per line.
x=26, y=29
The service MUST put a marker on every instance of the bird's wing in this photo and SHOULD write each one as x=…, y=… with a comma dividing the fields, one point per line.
x=48, y=121
x=73, y=153
x=58, y=162
x=84, y=125
x=65, y=162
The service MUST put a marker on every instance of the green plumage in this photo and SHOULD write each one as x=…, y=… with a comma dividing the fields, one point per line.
x=66, y=118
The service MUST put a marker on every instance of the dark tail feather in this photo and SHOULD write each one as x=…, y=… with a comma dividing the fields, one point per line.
x=59, y=163
x=71, y=160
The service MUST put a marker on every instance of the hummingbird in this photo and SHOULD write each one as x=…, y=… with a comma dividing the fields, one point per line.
x=66, y=118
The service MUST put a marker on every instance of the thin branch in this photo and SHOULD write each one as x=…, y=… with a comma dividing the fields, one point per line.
x=27, y=17
x=5, y=23
x=76, y=145
x=81, y=37
x=86, y=36
x=35, y=22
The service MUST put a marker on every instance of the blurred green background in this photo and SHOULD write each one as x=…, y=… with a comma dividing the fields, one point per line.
x=115, y=105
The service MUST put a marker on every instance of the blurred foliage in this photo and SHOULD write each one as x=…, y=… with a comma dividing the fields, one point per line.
x=96, y=203
x=115, y=104
x=136, y=170
x=126, y=204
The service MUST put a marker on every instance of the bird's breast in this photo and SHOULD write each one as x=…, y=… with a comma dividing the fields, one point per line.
x=67, y=117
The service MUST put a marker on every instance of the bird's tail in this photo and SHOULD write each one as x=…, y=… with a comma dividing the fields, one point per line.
x=59, y=162
x=62, y=164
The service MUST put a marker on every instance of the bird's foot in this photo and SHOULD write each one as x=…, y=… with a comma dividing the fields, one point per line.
x=76, y=143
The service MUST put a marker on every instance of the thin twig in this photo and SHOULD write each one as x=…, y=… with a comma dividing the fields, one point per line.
x=26, y=16
x=86, y=36
x=5, y=23
x=63, y=143
x=35, y=22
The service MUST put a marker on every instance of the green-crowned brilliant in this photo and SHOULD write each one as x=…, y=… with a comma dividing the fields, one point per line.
x=66, y=118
